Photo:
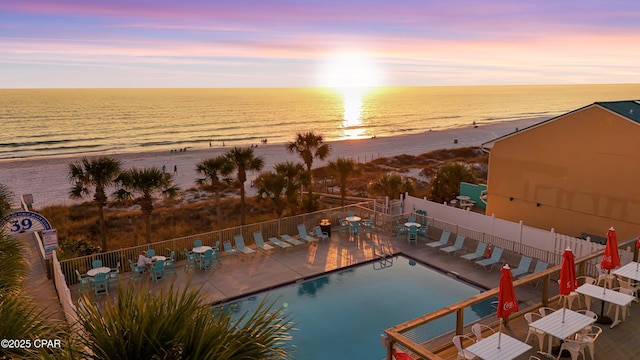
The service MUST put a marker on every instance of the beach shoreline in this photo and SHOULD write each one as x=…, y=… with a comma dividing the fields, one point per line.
x=46, y=178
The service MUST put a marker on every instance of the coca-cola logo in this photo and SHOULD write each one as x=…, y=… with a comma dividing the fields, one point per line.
x=508, y=305
x=607, y=258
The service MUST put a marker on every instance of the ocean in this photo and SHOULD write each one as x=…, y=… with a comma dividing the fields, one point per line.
x=40, y=123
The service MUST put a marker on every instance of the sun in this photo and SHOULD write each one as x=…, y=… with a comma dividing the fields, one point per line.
x=349, y=70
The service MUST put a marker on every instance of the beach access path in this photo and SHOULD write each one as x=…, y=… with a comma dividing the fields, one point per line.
x=46, y=178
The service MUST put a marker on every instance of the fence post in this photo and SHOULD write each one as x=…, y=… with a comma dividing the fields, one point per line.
x=459, y=321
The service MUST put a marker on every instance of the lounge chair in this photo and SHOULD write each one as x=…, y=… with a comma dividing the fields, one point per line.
x=239, y=240
x=302, y=232
x=494, y=259
x=291, y=240
x=257, y=238
x=479, y=253
x=226, y=245
x=457, y=246
x=523, y=267
x=540, y=265
x=444, y=238
x=281, y=244
x=321, y=234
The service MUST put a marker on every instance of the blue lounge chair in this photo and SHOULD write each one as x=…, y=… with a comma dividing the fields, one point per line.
x=228, y=248
x=259, y=241
x=239, y=240
x=321, y=234
x=412, y=234
x=444, y=238
x=479, y=253
x=494, y=259
x=281, y=244
x=457, y=246
x=540, y=265
x=302, y=233
x=523, y=267
x=290, y=240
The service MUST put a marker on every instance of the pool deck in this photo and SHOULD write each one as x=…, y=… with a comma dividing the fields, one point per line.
x=243, y=274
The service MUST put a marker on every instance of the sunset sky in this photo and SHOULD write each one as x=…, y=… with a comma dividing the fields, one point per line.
x=298, y=43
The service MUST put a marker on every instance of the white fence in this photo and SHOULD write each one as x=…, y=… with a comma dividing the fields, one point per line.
x=547, y=240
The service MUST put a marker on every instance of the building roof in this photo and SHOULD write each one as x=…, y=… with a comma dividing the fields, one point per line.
x=629, y=109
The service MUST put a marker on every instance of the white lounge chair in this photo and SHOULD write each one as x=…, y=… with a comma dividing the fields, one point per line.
x=302, y=232
x=259, y=241
x=281, y=244
x=291, y=240
x=239, y=240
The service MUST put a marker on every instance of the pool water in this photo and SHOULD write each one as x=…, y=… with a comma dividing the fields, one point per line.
x=341, y=315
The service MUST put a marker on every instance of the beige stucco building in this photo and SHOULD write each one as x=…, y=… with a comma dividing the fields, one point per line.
x=577, y=173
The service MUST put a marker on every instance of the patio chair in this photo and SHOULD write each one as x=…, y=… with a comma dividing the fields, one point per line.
x=523, y=267
x=367, y=225
x=320, y=234
x=605, y=277
x=216, y=253
x=624, y=310
x=444, y=239
x=169, y=264
x=259, y=241
x=197, y=243
x=424, y=230
x=588, y=338
x=83, y=281
x=206, y=260
x=96, y=263
x=629, y=284
x=411, y=219
x=291, y=240
x=477, y=329
x=354, y=228
x=136, y=271
x=457, y=246
x=157, y=270
x=192, y=260
x=228, y=248
x=400, y=228
x=100, y=284
x=412, y=234
x=545, y=310
x=281, y=244
x=463, y=354
x=239, y=240
x=351, y=214
x=490, y=262
x=479, y=253
x=151, y=253
x=540, y=335
x=114, y=274
x=302, y=233
x=574, y=347
x=343, y=226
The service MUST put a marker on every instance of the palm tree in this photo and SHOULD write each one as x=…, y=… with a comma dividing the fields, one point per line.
x=174, y=324
x=5, y=200
x=98, y=174
x=243, y=160
x=272, y=187
x=309, y=146
x=216, y=171
x=145, y=183
x=445, y=184
x=344, y=167
x=293, y=173
x=391, y=185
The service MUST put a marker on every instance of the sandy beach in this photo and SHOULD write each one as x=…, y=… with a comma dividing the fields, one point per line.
x=46, y=179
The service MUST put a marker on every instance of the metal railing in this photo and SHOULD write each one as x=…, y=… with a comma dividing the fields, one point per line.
x=287, y=225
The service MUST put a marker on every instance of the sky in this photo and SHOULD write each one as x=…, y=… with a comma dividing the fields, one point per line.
x=316, y=43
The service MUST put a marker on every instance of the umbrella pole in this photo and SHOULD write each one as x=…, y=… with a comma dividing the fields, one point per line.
x=500, y=334
x=564, y=308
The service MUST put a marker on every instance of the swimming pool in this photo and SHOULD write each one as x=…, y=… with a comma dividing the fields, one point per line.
x=342, y=314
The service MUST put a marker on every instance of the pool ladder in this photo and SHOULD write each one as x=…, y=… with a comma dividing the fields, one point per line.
x=383, y=250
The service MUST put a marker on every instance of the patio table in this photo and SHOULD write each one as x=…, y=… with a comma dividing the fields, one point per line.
x=158, y=257
x=96, y=271
x=630, y=271
x=202, y=249
x=617, y=298
x=353, y=218
x=408, y=224
x=510, y=348
x=552, y=324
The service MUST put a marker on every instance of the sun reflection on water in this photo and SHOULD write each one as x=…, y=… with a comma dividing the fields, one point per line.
x=352, y=125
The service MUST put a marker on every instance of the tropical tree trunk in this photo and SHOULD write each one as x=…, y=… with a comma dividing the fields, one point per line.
x=148, y=221
x=103, y=232
x=242, y=221
x=218, y=209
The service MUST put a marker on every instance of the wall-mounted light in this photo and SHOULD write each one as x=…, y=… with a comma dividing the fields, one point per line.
x=510, y=198
x=537, y=204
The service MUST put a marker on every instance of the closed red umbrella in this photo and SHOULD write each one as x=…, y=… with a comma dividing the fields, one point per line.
x=507, y=302
x=567, y=276
x=610, y=257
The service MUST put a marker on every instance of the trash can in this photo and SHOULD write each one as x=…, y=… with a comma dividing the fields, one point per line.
x=325, y=226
